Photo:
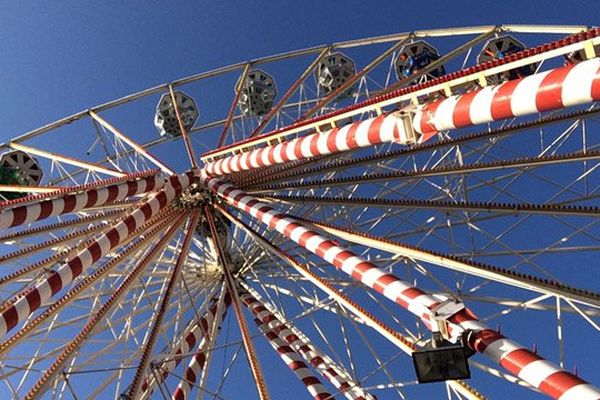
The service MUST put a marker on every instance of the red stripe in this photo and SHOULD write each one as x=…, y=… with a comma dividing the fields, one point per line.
x=331, y=139
x=113, y=191
x=461, y=116
x=132, y=187
x=55, y=282
x=501, y=101
x=323, y=247
x=596, y=86
x=351, y=136
x=549, y=94
x=518, y=359
x=375, y=130
x=298, y=148
x=556, y=384
x=10, y=317
x=92, y=198
x=113, y=237
x=305, y=237
x=69, y=203
x=19, y=215
x=46, y=208
x=426, y=124
x=95, y=251
x=383, y=281
x=314, y=149
x=33, y=299
x=76, y=267
x=360, y=269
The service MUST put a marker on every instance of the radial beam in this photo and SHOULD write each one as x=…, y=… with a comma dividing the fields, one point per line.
x=258, y=179
x=238, y=91
x=38, y=230
x=191, y=336
x=29, y=189
x=354, y=78
x=184, y=133
x=538, y=372
x=39, y=208
x=33, y=297
x=51, y=372
x=526, y=162
x=445, y=83
x=235, y=300
x=136, y=146
x=394, y=337
x=267, y=118
x=444, y=206
x=496, y=274
x=156, y=324
x=287, y=354
x=143, y=237
x=199, y=359
x=67, y=160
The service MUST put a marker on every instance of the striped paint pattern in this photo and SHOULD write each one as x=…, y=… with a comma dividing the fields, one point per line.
x=196, y=364
x=27, y=213
x=190, y=337
x=67, y=272
x=287, y=354
x=562, y=87
x=385, y=128
x=515, y=358
x=298, y=343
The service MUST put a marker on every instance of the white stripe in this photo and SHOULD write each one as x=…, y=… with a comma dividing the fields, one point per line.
x=22, y=308
x=313, y=243
x=322, y=143
x=577, y=86
x=351, y=263
x=44, y=290
x=393, y=290
x=244, y=161
x=537, y=371
x=265, y=156
x=583, y=391
x=341, y=138
x=296, y=233
x=362, y=133
x=523, y=99
x=33, y=212
x=500, y=348
x=371, y=275
x=443, y=117
x=291, y=149
x=305, y=146
x=330, y=254
x=386, y=132
x=253, y=157
x=480, y=110
x=277, y=154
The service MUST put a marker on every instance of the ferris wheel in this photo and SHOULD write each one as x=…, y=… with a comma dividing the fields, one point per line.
x=406, y=216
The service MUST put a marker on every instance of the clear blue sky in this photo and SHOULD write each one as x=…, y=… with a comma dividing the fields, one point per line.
x=57, y=58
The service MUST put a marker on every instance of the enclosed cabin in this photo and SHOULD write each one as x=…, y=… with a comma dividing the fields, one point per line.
x=416, y=57
x=334, y=71
x=18, y=168
x=257, y=94
x=165, y=119
x=499, y=48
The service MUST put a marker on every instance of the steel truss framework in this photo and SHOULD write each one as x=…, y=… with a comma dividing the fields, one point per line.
x=301, y=257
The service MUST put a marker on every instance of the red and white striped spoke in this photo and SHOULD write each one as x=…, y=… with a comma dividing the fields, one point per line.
x=388, y=128
x=290, y=357
x=551, y=90
x=67, y=272
x=198, y=360
x=321, y=362
x=186, y=343
x=518, y=360
x=27, y=213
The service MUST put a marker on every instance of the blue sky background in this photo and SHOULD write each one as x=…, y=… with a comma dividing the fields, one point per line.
x=57, y=58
